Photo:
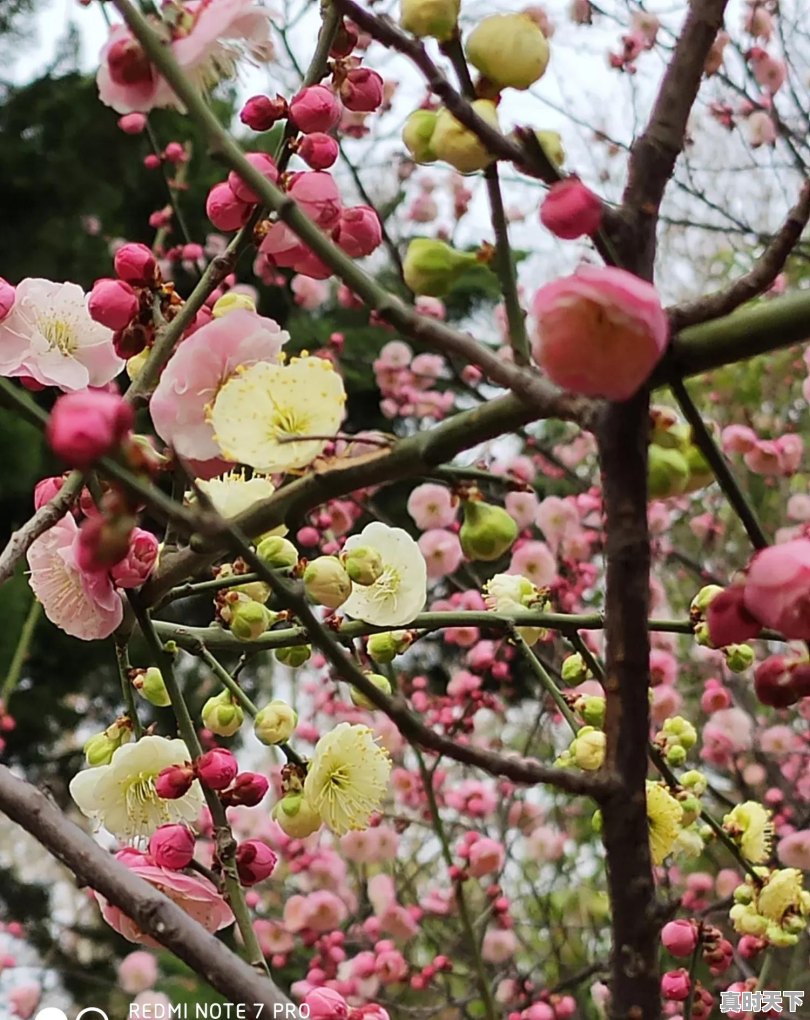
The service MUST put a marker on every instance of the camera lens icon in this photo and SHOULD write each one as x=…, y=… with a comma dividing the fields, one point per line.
x=53, y=1013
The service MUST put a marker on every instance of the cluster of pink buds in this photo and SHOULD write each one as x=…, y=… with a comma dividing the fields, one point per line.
x=217, y=770
x=175, y=153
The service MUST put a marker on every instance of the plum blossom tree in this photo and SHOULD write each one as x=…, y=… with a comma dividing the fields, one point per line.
x=461, y=644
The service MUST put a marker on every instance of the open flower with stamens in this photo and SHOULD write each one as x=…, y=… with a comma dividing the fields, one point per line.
x=233, y=494
x=347, y=778
x=750, y=826
x=121, y=796
x=50, y=337
x=260, y=413
x=400, y=592
x=82, y=603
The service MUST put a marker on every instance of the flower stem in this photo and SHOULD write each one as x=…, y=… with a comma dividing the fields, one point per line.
x=122, y=659
x=21, y=651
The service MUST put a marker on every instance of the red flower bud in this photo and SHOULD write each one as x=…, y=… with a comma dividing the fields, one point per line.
x=362, y=90
x=729, y=621
x=172, y=846
x=318, y=150
x=266, y=167
x=248, y=789
x=113, y=303
x=88, y=424
x=224, y=209
x=780, y=683
x=174, y=781
x=136, y=264
x=315, y=108
x=260, y=113
x=217, y=768
x=255, y=861
x=358, y=231
x=571, y=210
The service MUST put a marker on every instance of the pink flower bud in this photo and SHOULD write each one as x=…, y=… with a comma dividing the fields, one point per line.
x=217, y=768
x=315, y=108
x=266, y=167
x=680, y=937
x=88, y=424
x=358, y=231
x=675, y=984
x=132, y=123
x=46, y=489
x=7, y=293
x=318, y=150
x=175, y=152
x=571, y=210
x=729, y=621
x=326, y=1004
x=750, y=946
x=317, y=194
x=174, y=781
x=600, y=332
x=113, y=303
x=151, y=162
x=224, y=209
x=134, y=569
x=249, y=789
x=136, y=264
x=260, y=113
x=780, y=683
x=172, y=846
x=362, y=90
x=102, y=543
x=255, y=861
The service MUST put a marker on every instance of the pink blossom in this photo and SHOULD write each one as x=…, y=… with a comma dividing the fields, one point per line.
x=680, y=937
x=498, y=945
x=442, y=552
x=137, y=972
x=777, y=588
x=599, y=332
x=317, y=194
x=798, y=507
x=729, y=620
x=738, y=439
x=84, y=605
x=571, y=210
x=87, y=424
x=769, y=73
x=358, y=231
x=486, y=857
x=192, y=893
x=761, y=129
x=49, y=336
x=557, y=519
x=46, y=489
x=535, y=561
x=391, y=968
x=522, y=507
x=200, y=366
x=432, y=506
x=23, y=999
x=135, y=264
x=308, y=293
x=135, y=568
x=325, y=1004
x=666, y=701
x=793, y=850
x=220, y=31
x=255, y=861
x=676, y=984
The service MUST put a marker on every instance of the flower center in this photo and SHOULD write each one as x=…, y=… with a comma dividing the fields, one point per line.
x=288, y=421
x=139, y=794
x=60, y=334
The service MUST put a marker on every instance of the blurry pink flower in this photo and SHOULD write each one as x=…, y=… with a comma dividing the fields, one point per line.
x=761, y=129
x=199, y=368
x=207, y=49
x=316, y=192
x=666, y=701
x=758, y=22
x=763, y=458
x=432, y=506
x=486, y=857
x=362, y=90
x=769, y=73
x=557, y=519
x=195, y=895
x=777, y=588
x=358, y=231
x=324, y=911
x=49, y=336
x=84, y=605
x=798, y=507
x=132, y=123
x=137, y=972
x=738, y=439
x=794, y=850
x=535, y=561
x=382, y=892
x=571, y=210
x=729, y=620
x=24, y=999
x=599, y=332
x=325, y=1004
x=522, y=507
x=134, y=569
x=87, y=424
x=442, y=552
x=791, y=448
x=308, y=293
x=499, y=945
x=779, y=740
x=224, y=209
x=265, y=165
x=714, y=58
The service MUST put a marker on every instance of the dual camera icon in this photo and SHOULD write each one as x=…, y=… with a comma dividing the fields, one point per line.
x=52, y=1013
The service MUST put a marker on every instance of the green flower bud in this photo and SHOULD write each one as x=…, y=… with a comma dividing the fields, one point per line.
x=487, y=532
x=382, y=683
x=275, y=723
x=509, y=50
x=678, y=730
x=294, y=655
x=552, y=146
x=249, y=620
x=700, y=473
x=675, y=755
x=588, y=749
x=152, y=687
x=739, y=658
x=278, y=553
x=668, y=430
x=700, y=603
x=434, y=19
x=702, y=634
x=256, y=591
x=690, y=806
x=574, y=671
x=326, y=582
x=432, y=267
x=743, y=894
x=695, y=781
x=592, y=709
x=296, y=816
x=364, y=565
x=668, y=472
x=795, y=924
x=99, y=749
x=783, y=938
x=457, y=145
x=417, y=134
x=596, y=821
x=387, y=646
x=222, y=715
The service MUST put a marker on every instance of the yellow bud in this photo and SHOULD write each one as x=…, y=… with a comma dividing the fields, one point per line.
x=230, y=302
x=381, y=682
x=432, y=267
x=552, y=146
x=326, y=582
x=275, y=723
x=457, y=145
x=434, y=19
x=135, y=364
x=296, y=816
x=417, y=134
x=509, y=50
x=487, y=532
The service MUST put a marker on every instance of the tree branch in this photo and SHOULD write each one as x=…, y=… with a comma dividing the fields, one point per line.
x=153, y=912
x=753, y=283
